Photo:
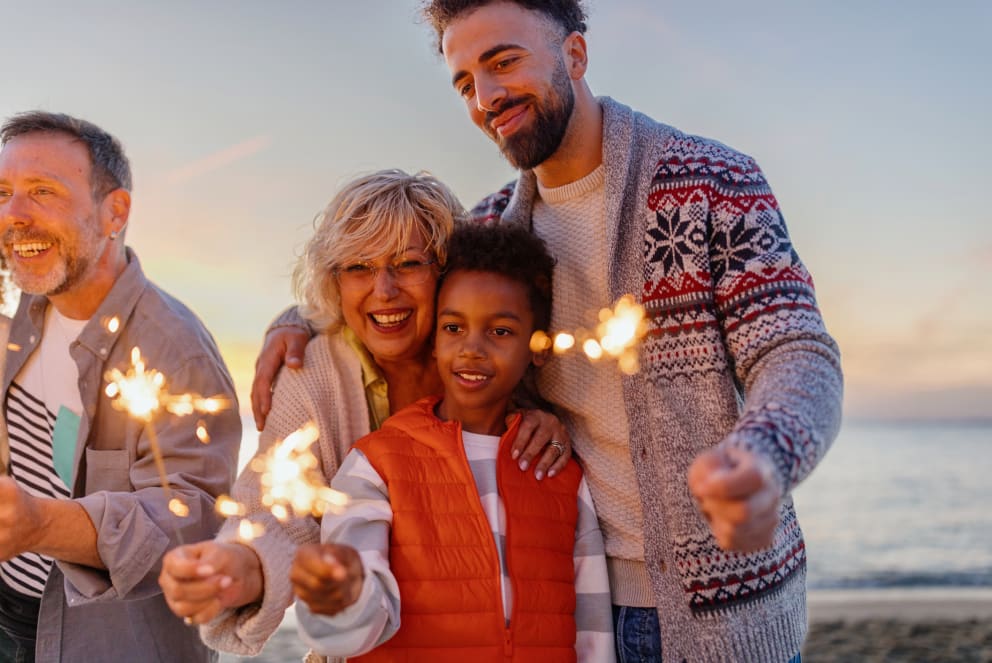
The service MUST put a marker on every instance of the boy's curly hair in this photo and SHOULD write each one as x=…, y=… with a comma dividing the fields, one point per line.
x=569, y=14
x=507, y=249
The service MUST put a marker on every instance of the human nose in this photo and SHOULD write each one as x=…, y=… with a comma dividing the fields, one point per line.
x=473, y=346
x=489, y=94
x=13, y=209
x=385, y=281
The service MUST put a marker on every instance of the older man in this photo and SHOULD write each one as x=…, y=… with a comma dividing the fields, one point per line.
x=84, y=519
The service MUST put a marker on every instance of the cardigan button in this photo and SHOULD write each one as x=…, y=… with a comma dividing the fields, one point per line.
x=663, y=566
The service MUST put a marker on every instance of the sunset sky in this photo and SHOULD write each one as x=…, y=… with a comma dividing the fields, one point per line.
x=241, y=118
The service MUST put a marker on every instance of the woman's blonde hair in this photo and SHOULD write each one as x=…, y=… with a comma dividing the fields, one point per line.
x=370, y=216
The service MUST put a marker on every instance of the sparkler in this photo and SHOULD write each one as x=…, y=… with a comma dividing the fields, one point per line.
x=142, y=393
x=292, y=484
x=617, y=335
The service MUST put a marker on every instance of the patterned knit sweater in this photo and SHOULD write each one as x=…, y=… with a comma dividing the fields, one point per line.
x=737, y=355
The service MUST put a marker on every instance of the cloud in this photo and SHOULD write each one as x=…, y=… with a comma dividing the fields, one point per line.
x=219, y=159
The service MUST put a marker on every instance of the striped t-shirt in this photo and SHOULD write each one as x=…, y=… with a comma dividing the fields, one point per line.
x=42, y=410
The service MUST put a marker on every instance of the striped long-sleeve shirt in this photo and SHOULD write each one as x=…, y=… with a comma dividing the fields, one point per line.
x=364, y=524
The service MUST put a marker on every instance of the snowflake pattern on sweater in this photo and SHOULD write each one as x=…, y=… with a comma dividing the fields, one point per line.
x=722, y=284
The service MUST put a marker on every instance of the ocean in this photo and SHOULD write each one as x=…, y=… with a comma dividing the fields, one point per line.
x=896, y=506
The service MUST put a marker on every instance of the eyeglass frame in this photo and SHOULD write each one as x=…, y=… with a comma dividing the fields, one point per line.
x=368, y=277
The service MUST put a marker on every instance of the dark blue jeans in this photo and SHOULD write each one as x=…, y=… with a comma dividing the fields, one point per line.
x=638, y=635
x=18, y=623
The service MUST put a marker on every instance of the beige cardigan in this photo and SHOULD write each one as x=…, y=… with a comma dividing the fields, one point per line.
x=329, y=391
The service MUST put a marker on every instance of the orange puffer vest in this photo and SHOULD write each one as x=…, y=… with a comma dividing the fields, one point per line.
x=443, y=554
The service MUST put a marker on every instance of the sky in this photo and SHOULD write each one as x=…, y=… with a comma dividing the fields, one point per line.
x=242, y=117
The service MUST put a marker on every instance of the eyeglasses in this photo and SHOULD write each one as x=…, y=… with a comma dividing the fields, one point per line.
x=403, y=272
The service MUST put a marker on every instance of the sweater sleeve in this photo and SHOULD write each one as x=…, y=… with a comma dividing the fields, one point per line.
x=782, y=354
x=593, y=609
x=364, y=524
x=320, y=392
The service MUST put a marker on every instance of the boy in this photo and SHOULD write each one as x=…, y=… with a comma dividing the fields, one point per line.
x=477, y=561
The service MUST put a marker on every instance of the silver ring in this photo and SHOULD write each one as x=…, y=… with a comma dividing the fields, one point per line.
x=558, y=446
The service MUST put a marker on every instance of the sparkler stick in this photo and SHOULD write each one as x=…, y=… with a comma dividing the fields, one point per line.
x=141, y=392
x=617, y=335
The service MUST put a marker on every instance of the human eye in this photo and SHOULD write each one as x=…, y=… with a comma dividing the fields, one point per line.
x=409, y=265
x=464, y=88
x=502, y=331
x=450, y=327
x=357, y=269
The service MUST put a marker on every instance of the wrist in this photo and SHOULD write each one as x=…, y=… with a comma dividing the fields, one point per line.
x=252, y=577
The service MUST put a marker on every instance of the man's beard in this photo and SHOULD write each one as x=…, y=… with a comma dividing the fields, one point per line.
x=70, y=268
x=531, y=146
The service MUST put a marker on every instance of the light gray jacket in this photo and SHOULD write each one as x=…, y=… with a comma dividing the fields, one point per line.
x=119, y=614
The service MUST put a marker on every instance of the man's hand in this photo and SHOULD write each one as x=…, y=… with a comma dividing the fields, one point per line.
x=738, y=494
x=327, y=577
x=538, y=432
x=282, y=345
x=19, y=519
x=201, y=579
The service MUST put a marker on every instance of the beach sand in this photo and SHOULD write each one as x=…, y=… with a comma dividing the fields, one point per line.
x=882, y=626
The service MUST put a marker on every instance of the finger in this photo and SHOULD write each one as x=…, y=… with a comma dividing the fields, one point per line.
x=185, y=563
x=206, y=613
x=741, y=511
x=723, y=478
x=551, y=455
x=296, y=345
x=261, y=399
x=267, y=366
x=561, y=461
x=525, y=431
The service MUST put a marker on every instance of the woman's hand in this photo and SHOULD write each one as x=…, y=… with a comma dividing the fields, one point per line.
x=202, y=579
x=327, y=577
x=542, y=437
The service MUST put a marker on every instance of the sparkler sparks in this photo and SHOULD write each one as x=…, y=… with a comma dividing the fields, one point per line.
x=142, y=393
x=292, y=484
x=617, y=335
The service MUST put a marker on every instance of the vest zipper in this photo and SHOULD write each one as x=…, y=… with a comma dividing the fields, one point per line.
x=508, y=632
x=501, y=612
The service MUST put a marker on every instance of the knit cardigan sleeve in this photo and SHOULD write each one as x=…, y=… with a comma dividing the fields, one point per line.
x=777, y=343
x=328, y=391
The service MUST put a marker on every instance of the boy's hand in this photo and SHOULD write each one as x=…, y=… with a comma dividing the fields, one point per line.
x=738, y=494
x=541, y=435
x=282, y=345
x=327, y=577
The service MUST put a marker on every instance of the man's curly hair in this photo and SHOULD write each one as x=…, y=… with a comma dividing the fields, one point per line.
x=507, y=249
x=569, y=14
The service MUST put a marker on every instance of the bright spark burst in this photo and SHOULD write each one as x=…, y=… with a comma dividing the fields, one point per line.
x=228, y=507
x=178, y=507
x=142, y=393
x=248, y=530
x=617, y=335
x=292, y=483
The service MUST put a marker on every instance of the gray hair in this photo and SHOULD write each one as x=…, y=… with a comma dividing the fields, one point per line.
x=110, y=168
x=370, y=216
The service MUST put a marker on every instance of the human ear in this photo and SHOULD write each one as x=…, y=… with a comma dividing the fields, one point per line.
x=576, y=56
x=116, y=208
x=539, y=358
